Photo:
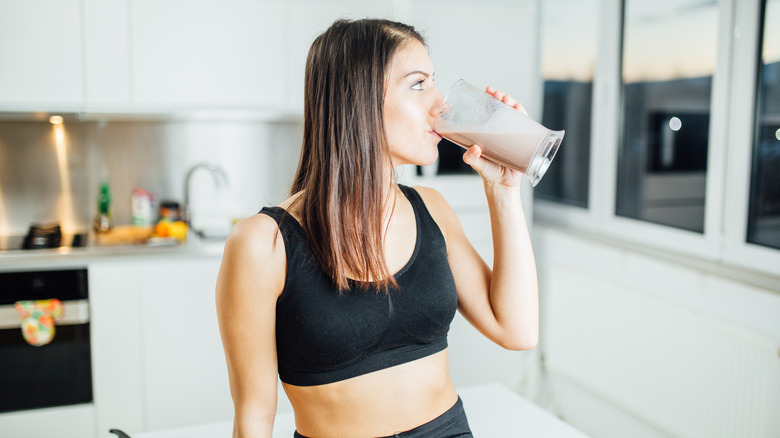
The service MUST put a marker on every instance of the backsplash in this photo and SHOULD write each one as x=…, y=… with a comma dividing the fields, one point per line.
x=52, y=173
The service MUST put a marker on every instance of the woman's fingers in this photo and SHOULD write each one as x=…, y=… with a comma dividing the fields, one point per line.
x=506, y=99
x=488, y=170
x=472, y=156
x=519, y=106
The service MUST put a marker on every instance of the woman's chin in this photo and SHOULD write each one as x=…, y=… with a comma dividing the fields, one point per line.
x=418, y=159
x=428, y=162
x=431, y=156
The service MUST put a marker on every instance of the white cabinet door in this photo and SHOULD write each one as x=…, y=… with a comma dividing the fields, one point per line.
x=75, y=421
x=41, y=55
x=115, y=329
x=106, y=57
x=491, y=42
x=208, y=54
x=308, y=19
x=184, y=371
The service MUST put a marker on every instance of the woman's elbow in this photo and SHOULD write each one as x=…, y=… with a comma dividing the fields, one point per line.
x=520, y=342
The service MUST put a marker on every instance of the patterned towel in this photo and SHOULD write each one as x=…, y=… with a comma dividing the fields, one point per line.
x=38, y=320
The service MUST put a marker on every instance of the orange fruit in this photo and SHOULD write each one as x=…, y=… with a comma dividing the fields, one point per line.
x=163, y=228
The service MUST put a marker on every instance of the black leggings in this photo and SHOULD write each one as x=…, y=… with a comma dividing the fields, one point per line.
x=451, y=424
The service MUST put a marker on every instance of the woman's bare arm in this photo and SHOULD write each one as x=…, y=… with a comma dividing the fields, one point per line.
x=250, y=280
x=501, y=303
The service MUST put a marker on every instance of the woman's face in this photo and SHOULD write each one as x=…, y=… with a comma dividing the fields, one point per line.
x=412, y=102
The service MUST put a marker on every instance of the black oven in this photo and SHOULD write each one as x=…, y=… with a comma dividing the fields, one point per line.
x=55, y=374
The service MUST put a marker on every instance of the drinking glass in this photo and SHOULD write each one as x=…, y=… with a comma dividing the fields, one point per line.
x=506, y=135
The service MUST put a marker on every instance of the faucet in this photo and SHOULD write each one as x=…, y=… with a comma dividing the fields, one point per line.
x=220, y=177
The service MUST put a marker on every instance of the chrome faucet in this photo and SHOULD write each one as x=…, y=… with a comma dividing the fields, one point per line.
x=220, y=177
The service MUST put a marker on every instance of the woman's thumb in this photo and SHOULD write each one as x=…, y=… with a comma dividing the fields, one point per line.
x=472, y=155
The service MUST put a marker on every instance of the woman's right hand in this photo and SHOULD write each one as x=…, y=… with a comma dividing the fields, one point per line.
x=491, y=172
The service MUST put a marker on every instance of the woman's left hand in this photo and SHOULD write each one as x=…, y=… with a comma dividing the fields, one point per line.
x=491, y=172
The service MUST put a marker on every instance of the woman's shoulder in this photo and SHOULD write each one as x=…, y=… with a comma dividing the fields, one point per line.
x=433, y=200
x=438, y=207
x=259, y=235
x=256, y=236
x=254, y=260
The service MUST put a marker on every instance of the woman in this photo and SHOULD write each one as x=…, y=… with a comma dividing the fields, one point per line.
x=346, y=290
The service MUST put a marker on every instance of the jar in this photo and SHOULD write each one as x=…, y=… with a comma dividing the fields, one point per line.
x=170, y=210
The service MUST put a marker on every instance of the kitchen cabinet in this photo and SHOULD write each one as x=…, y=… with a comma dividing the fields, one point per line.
x=75, y=421
x=157, y=355
x=183, y=365
x=486, y=43
x=235, y=54
x=457, y=34
x=158, y=57
x=106, y=56
x=308, y=19
x=208, y=54
x=41, y=55
x=67, y=55
x=115, y=318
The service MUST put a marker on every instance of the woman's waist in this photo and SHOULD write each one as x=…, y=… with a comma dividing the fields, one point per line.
x=376, y=404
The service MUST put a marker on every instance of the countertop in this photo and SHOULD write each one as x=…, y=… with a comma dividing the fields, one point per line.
x=493, y=410
x=66, y=256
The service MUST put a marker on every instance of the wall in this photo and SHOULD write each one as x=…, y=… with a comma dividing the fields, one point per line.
x=648, y=344
x=44, y=178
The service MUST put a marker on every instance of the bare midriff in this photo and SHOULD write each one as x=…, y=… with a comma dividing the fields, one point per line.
x=377, y=404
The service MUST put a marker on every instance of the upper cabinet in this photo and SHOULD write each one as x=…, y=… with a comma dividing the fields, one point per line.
x=40, y=54
x=173, y=56
x=208, y=54
x=308, y=19
x=106, y=63
x=486, y=43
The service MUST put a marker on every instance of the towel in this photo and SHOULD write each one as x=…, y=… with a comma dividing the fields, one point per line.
x=38, y=320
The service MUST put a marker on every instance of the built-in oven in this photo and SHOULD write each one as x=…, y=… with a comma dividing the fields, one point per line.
x=58, y=373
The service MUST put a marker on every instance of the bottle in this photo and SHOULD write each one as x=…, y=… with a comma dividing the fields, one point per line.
x=104, y=220
x=142, y=204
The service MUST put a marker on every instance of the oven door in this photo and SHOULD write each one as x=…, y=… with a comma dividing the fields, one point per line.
x=56, y=374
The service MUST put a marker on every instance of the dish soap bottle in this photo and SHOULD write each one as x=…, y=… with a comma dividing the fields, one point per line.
x=104, y=220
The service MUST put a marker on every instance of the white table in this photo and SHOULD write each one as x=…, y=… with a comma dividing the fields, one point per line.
x=493, y=411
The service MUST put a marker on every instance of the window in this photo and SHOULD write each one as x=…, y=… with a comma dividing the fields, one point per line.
x=683, y=100
x=668, y=59
x=764, y=212
x=568, y=57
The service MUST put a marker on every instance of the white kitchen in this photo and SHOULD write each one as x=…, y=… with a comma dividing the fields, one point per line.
x=656, y=228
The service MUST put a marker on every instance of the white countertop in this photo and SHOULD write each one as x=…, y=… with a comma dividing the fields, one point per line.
x=493, y=411
x=65, y=256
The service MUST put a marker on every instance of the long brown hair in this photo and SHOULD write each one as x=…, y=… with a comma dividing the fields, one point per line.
x=343, y=160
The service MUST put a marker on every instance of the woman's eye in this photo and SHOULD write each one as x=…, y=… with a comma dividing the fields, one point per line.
x=418, y=85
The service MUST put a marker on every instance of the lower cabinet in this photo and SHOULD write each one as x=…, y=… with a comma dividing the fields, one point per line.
x=157, y=356
x=75, y=421
x=183, y=366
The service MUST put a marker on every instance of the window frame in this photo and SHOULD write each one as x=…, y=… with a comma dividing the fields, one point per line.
x=747, y=56
x=731, y=137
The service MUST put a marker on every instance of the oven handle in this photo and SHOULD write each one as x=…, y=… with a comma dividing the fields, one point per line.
x=74, y=312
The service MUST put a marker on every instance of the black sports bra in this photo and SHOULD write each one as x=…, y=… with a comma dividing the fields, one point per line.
x=323, y=336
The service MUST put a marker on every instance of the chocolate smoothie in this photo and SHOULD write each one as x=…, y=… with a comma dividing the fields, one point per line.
x=512, y=149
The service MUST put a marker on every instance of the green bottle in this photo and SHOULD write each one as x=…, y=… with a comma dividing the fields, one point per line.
x=105, y=218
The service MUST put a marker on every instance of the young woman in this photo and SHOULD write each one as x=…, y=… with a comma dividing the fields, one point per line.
x=346, y=290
